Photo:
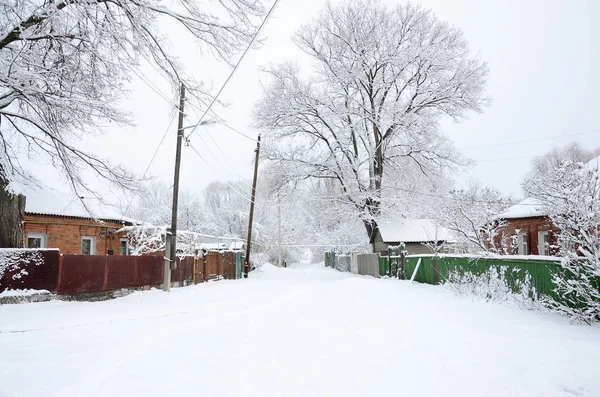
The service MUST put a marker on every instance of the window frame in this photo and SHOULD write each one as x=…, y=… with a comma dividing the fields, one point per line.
x=523, y=244
x=544, y=246
x=42, y=236
x=121, y=240
x=92, y=244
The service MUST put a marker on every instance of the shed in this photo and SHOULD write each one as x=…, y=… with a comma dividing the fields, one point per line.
x=416, y=234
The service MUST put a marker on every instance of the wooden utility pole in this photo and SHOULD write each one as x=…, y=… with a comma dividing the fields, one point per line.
x=171, y=249
x=249, y=240
x=279, y=228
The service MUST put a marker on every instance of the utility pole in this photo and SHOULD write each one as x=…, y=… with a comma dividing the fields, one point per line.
x=171, y=249
x=249, y=240
x=279, y=228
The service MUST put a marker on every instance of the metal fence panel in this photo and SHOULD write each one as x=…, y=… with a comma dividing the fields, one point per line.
x=368, y=264
x=541, y=272
x=29, y=269
x=342, y=263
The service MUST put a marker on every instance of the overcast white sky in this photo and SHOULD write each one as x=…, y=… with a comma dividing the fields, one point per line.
x=544, y=58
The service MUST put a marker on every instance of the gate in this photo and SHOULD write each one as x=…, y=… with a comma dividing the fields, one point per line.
x=239, y=259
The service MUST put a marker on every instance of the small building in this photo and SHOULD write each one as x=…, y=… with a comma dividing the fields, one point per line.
x=529, y=230
x=418, y=235
x=53, y=220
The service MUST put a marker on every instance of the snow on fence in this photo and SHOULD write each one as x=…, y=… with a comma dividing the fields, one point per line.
x=75, y=274
x=517, y=269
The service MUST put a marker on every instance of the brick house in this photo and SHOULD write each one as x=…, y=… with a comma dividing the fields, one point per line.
x=75, y=234
x=529, y=229
x=59, y=221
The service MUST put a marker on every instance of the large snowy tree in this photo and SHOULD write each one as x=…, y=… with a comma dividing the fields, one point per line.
x=381, y=80
x=570, y=194
x=63, y=64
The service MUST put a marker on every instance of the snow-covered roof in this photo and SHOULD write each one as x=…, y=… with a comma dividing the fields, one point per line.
x=528, y=208
x=213, y=246
x=413, y=231
x=53, y=202
x=236, y=245
x=594, y=163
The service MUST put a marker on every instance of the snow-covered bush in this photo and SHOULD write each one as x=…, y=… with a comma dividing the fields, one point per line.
x=494, y=285
x=570, y=194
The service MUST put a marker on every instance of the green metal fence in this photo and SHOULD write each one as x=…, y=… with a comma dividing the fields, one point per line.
x=517, y=269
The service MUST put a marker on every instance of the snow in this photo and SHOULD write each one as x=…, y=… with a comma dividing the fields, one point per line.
x=22, y=292
x=302, y=331
x=49, y=201
x=594, y=164
x=528, y=208
x=413, y=230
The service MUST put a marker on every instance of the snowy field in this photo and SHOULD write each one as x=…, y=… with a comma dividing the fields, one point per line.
x=302, y=331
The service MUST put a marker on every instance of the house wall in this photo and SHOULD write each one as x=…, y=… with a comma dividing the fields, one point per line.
x=412, y=248
x=531, y=226
x=65, y=233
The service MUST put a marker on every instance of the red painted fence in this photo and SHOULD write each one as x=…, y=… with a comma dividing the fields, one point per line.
x=29, y=269
x=75, y=274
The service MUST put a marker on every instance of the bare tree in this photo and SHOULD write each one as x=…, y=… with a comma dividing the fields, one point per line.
x=63, y=64
x=380, y=82
x=472, y=215
x=557, y=156
x=153, y=206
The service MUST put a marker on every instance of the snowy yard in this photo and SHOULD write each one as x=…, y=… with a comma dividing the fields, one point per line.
x=304, y=331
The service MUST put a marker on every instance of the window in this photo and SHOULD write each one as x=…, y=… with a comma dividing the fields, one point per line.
x=543, y=243
x=523, y=248
x=123, y=247
x=88, y=245
x=36, y=240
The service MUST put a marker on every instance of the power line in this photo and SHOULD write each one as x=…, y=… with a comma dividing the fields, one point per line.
x=507, y=159
x=153, y=156
x=529, y=140
x=235, y=67
x=222, y=153
x=237, y=131
x=215, y=171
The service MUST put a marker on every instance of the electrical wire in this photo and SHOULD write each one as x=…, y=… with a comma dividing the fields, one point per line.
x=154, y=156
x=222, y=153
x=529, y=140
x=235, y=67
x=215, y=171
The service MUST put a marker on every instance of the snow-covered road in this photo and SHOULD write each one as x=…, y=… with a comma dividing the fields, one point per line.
x=303, y=331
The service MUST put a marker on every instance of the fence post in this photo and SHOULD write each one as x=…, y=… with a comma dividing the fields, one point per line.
x=436, y=270
x=403, y=260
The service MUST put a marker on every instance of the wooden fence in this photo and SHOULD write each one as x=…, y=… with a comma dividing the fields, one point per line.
x=75, y=274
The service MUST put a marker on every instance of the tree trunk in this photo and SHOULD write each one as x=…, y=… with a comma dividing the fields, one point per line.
x=370, y=225
x=12, y=217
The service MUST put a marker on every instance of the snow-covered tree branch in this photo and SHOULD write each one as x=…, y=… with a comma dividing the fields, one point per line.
x=570, y=194
x=472, y=215
x=64, y=63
